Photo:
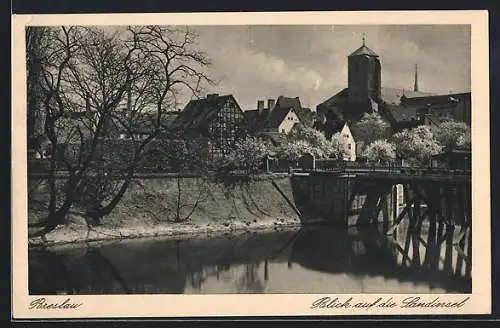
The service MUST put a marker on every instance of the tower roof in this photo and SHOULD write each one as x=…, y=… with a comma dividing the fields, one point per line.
x=364, y=51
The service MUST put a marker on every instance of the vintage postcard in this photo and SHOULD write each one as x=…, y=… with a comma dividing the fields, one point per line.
x=243, y=164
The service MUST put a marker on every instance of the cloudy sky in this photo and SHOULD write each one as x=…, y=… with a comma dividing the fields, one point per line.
x=260, y=62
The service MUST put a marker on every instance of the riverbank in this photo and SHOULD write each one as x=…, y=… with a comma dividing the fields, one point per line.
x=78, y=233
x=178, y=207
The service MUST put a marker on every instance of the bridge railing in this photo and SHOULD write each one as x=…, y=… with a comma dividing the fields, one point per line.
x=389, y=168
x=275, y=165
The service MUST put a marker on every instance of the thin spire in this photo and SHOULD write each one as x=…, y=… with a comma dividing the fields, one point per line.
x=364, y=38
x=415, y=87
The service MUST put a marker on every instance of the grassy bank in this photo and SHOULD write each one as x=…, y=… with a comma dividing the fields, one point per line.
x=177, y=206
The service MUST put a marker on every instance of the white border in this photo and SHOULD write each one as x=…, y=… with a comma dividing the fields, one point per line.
x=272, y=304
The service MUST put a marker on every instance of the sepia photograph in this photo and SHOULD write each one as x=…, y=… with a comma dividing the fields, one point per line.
x=274, y=159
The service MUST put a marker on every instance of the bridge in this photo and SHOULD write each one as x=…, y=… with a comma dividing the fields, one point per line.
x=368, y=195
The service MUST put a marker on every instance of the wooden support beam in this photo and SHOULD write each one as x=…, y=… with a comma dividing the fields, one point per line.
x=419, y=220
x=463, y=255
x=407, y=246
x=416, y=250
x=382, y=204
x=432, y=203
x=354, y=193
x=407, y=198
x=370, y=206
x=461, y=258
x=431, y=238
x=448, y=205
x=416, y=213
x=466, y=220
x=385, y=209
x=396, y=244
x=448, y=255
x=468, y=268
x=398, y=219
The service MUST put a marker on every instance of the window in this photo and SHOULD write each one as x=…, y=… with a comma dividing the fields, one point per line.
x=282, y=130
x=349, y=146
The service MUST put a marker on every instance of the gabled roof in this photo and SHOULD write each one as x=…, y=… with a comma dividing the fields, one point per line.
x=400, y=113
x=393, y=95
x=454, y=152
x=363, y=51
x=339, y=98
x=272, y=119
x=448, y=99
x=198, y=112
x=389, y=95
x=251, y=115
x=286, y=102
x=329, y=128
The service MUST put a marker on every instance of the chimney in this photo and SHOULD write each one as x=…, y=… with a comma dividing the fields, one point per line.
x=270, y=104
x=260, y=106
x=212, y=96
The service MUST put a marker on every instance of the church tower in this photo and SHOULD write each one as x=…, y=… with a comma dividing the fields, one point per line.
x=415, y=87
x=364, y=78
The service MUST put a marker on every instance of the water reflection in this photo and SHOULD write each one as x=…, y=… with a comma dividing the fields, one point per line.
x=309, y=260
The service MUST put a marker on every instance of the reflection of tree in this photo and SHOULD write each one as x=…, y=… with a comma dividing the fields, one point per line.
x=249, y=281
x=196, y=279
x=43, y=279
x=100, y=268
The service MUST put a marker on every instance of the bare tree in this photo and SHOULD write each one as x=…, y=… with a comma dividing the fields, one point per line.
x=184, y=157
x=34, y=51
x=87, y=75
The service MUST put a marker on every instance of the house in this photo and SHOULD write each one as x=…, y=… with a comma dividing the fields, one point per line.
x=144, y=124
x=428, y=110
x=215, y=123
x=280, y=116
x=401, y=108
x=456, y=106
x=403, y=116
x=340, y=130
x=456, y=159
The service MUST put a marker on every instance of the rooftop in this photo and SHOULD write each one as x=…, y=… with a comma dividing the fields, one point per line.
x=363, y=51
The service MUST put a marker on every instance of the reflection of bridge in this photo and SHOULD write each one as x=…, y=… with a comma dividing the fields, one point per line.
x=367, y=252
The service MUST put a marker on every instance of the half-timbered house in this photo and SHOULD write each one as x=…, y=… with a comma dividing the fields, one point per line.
x=215, y=122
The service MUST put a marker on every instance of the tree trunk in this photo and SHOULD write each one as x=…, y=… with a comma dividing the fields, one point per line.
x=178, y=210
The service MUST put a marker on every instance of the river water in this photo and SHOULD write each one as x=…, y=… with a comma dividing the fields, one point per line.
x=302, y=260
